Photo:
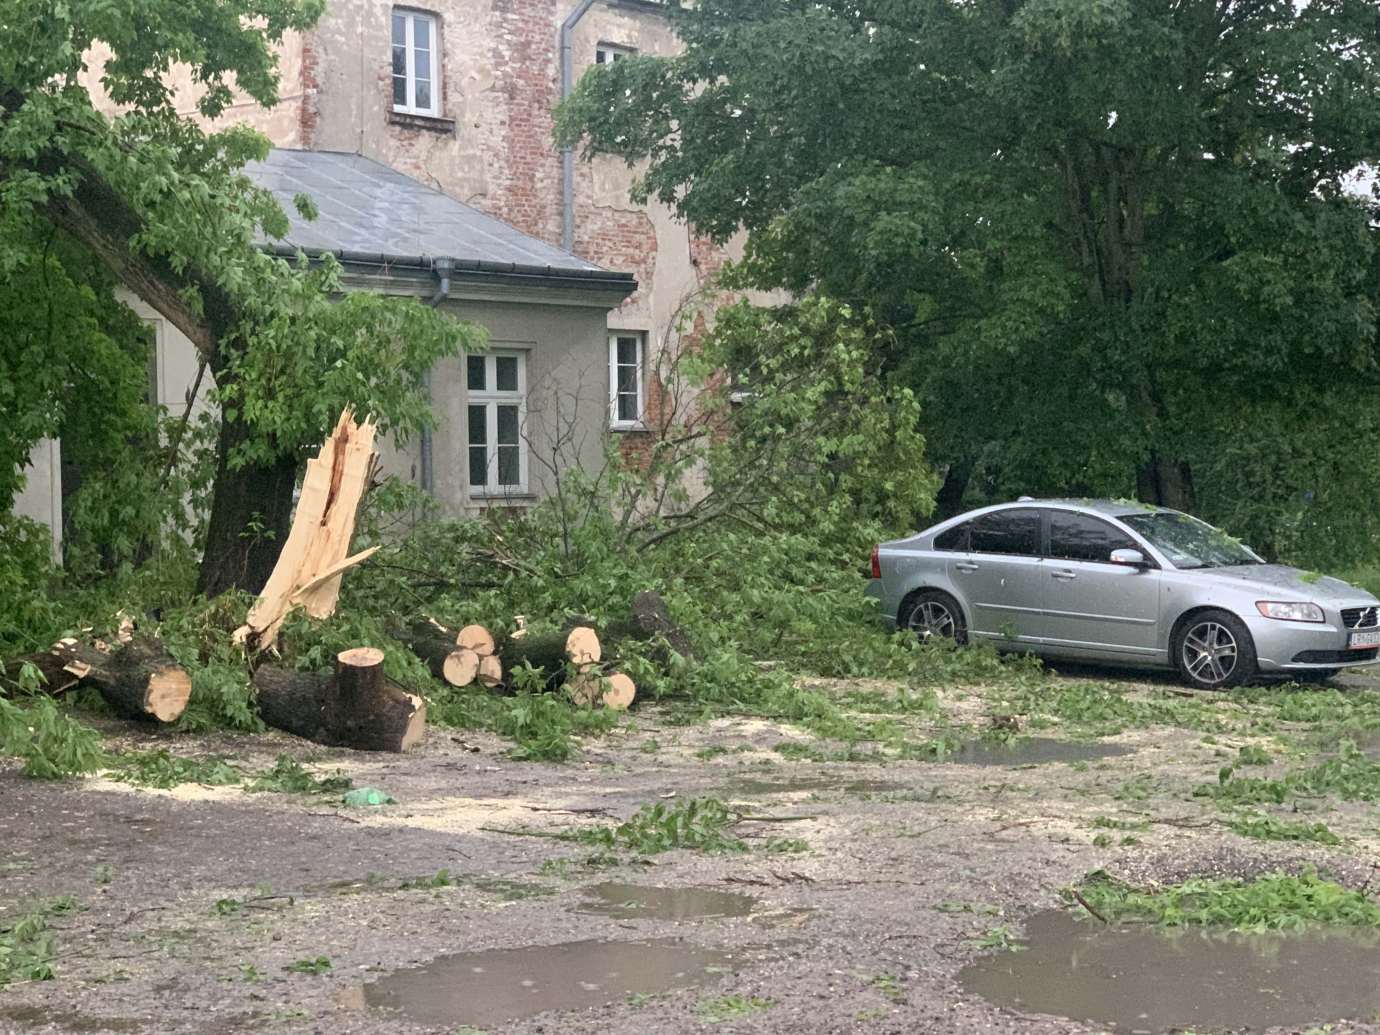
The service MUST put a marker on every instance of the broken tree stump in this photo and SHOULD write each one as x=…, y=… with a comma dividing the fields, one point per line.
x=356, y=707
x=313, y=558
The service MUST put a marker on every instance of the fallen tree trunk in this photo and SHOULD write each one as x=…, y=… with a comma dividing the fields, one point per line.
x=650, y=620
x=551, y=650
x=139, y=681
x=357, y=707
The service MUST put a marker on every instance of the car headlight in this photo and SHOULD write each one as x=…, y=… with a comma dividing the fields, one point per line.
x=1290, y=612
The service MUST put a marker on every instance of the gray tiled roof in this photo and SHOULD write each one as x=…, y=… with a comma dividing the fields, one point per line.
x=366, y=207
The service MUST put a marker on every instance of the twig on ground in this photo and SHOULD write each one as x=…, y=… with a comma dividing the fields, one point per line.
x=1078, y=897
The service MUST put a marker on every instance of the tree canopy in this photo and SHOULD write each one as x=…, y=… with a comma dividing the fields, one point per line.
x=1117, y=240
x=150, y=199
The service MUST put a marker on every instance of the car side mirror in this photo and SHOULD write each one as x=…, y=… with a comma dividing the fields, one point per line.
x=1130, y=558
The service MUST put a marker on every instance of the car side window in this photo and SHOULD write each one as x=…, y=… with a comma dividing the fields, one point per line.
x=955, y=538
x=1007, y=531
x=1079, y=537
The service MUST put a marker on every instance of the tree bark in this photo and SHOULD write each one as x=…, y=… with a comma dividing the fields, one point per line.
x=1167, y=482
x=293, y=701
x=650, y=618
x=251, y=514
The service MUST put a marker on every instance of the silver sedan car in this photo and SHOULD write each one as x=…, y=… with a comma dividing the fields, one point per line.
x=1104, y=581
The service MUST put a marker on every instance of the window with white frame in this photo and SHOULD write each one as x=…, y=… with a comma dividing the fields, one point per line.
x=496, y=397
x=608, y=53
x=627, y=400
x=416, y=62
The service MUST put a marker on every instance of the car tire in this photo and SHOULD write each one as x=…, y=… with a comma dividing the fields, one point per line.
x=1213, y=650
x=932, y=615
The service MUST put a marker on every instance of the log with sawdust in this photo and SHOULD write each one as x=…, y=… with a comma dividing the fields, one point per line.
x=356, y=707
x=313, y=558
x=139, y=679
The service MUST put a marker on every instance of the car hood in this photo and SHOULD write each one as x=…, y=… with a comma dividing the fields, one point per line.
x=1281, y=582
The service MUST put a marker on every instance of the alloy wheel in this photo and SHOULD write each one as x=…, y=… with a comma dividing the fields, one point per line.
x=1209, y=652
x=931, y=620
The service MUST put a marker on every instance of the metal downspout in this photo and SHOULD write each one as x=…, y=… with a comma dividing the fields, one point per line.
x=442, y=267
x=568, y=153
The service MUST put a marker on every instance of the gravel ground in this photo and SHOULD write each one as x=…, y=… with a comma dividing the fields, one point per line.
x=863, y=932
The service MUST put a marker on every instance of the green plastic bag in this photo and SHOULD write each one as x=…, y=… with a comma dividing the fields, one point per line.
x=362, y=797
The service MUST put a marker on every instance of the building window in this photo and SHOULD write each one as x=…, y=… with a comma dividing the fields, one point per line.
x=416, y=63
x=627, y=400
x=496, y=385
x=608, y=53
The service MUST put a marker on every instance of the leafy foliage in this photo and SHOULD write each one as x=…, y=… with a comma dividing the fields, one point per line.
x=1111, y=204
x=700, y=824
x=1268, y=828
x=288, y=776
x=1274, y=901
x=26, y=947
x=49, y=741
x=164, y=770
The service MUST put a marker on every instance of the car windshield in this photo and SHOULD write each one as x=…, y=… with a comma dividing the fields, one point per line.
x=1190, y=543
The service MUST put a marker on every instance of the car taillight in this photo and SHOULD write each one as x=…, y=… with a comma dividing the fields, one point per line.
x=876, y=562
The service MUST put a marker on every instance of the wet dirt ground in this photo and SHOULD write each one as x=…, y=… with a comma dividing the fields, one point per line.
x=911, y=872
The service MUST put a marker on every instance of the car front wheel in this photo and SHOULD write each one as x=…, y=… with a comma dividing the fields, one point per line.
x=933, y=615
x=1213, y=650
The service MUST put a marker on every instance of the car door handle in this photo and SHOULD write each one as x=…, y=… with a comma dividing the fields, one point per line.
x=1066, y=576
x=965, y=566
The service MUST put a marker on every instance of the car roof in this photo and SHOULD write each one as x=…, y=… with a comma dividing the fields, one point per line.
x=1112, y=508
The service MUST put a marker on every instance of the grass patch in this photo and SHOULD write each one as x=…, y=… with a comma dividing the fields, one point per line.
x=731, y=1007
x=1272, y=902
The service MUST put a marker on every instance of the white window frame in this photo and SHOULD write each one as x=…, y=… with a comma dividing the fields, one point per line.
x=640, y=422
x=608, y=53
x=491, y=398
x=410, y=18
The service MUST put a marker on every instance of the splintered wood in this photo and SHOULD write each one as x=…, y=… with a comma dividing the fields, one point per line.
x=314, y=557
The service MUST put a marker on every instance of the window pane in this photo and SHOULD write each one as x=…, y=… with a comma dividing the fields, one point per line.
x=627, y=351
x=599, y=57
x=627, y=406
x=1007, y=531
x=478, y=466
x=399, y=92
x=400, y=61
x=955, y=538
x=422, y=65
x=627, y=379
x=421, y=32
x=479, y=426
x=399, y=30
x=508, y=465
x=1078, y=537
x=506, y=373
x=507, y=425
x=423, y=93
x=474, y=373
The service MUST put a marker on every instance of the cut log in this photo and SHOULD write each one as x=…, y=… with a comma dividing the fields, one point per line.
x=357, y=707
x=620, y=692
x=313, y=557
x=592, y=689
x=582, y=646
x=543, y=650
x=490, y=672
x=52, y=666
x=476, y=638
x=139, y=681
x=461, y=667
x=435, y=645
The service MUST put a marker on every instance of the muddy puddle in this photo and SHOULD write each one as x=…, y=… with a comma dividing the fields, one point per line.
x=1032, y=751
x=634, y=902
x=486, y=989
x=1140, y=979
x=755, y=787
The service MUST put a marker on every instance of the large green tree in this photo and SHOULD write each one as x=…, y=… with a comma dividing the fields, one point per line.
x=1108, y=233
x=162, y=206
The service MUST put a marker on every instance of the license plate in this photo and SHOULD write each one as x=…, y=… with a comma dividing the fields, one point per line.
x=1360, y=641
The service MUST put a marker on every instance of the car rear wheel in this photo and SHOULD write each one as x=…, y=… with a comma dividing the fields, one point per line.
x=1213, y=650
x=933, y=615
